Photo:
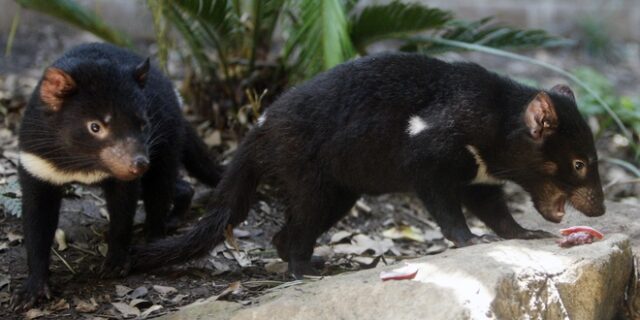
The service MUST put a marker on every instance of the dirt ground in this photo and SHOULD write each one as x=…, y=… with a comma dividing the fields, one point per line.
x=394, y=226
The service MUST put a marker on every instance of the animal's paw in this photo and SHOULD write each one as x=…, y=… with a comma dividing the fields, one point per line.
x=299, y=269
x=115, y=266
x=487, y=238
x=534, y=234
x=29, y=295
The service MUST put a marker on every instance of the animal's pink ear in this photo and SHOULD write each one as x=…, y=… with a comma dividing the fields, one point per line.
x=540, y=117
x=56, y=85
x=564, y=90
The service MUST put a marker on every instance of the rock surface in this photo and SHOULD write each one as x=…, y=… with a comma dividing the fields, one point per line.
x=513, y=279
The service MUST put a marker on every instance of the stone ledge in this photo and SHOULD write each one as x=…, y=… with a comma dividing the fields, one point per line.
x=503, y=280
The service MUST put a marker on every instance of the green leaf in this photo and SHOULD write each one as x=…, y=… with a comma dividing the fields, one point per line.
x=321, y=40
x=380, y=22
x=484, y=32
x=71, y=12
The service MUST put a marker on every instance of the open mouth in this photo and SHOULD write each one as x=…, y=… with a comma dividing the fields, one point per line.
x=557, y=212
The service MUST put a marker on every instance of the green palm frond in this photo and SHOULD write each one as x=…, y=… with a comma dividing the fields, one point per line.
x=484, y=32
x=266, y=14
x=207, y=25
x=380, y=22
x=72, y=12
x=321, y=40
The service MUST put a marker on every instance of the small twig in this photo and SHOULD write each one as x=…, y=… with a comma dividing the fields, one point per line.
x=269, y=283
x=95, y=196
x=617, y=182
x=63, y=261
x=83, y=250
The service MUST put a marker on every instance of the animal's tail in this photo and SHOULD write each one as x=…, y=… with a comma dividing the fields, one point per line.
x=235, y=194
x=198, y=161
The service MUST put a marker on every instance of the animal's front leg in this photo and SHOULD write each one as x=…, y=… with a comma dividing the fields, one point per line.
x=487, y=203
x=442, y=200
x=40, y=211
x=122, y=198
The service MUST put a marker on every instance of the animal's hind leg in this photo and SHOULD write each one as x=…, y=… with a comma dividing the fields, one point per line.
x=308, y=216
x=183, y=194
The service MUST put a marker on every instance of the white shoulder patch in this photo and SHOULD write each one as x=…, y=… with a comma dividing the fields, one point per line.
x=47, y=171
x=178, y=97
x=416, y=125
x=262, y=119
x=482, y=175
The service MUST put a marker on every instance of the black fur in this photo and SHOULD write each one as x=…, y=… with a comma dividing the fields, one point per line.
x=345, y=133
x=140, y=142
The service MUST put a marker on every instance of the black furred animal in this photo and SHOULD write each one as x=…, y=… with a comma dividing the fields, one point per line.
x=103, y=115
x=448, y=132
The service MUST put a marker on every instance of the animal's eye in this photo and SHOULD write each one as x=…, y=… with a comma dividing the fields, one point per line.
x=578, y=165
x=94, y=127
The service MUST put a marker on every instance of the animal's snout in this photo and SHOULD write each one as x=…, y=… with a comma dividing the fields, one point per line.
x=589, y=201
x=139, y=165
x=596, y=210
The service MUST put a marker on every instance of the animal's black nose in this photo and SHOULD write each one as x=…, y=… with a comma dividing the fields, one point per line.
x=139, y=165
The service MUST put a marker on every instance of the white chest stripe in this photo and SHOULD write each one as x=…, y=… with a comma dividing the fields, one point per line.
x=416, y=125
x=482, y=175
x=47, y=171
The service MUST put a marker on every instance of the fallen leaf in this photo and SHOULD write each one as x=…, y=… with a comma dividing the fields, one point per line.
x=276, y=266
x=61, y=240
x=61, y=304
x=219, y=266
x=213, y=139
x=104, y=213
x=241, y=233
x=361, y=205
x=139, y=292
x=404, y=232
x=178, y=298
x=431, y=235
x=151, y=309
x=126, y=309
x=323, y=251
x=35, y=313
x=242, y=258
x=164, y=290
x=407, y=272
x=14, y=237
x=339, y=236
x=84, y=306
x=122, y=291
x=103, y=248
x=437, y=248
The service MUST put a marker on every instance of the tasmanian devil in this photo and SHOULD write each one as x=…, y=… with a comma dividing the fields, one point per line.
x=448, y=132
x=102, y=115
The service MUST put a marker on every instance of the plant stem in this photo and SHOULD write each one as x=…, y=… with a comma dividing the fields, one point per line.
x=12, y=32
